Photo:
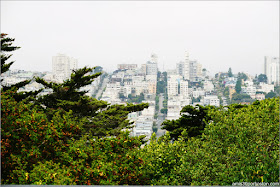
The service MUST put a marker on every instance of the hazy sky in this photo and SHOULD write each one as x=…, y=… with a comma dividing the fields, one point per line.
x=219, y=34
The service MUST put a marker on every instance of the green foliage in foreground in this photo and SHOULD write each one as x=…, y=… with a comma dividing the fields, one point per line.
x=100, y=118
x=239, y=144
x=193, y=121
x=7, y=47
x=36, y=150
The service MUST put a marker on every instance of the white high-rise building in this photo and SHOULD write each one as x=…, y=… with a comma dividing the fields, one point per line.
x=154, y=58
x=173, y=82
x=195, y=70
x=172, y=87
x=184, y=90
x=62, y=66
x=272, y=70
x=180, y=68
x=186, y=69
x=189, y=69
x=199, y=70
x=73, y=64
x=151, y=66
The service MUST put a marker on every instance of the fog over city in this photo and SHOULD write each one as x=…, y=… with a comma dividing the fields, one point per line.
x=219, y=34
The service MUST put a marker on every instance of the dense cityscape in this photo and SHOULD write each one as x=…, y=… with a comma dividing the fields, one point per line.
x=181, y=93
x=165, y=92
x=138, y=125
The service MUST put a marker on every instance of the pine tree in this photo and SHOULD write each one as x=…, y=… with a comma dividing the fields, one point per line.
x=230, y=72
x=101, y=118
x=7, y=46
x=68, y=96
x=238, y=86
x=262, y=78
x=192, y=121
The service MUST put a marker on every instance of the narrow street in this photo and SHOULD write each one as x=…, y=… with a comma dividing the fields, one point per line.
x=161, y=117
x=104, y=83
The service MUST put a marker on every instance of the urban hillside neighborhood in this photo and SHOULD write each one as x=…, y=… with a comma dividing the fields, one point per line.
x=166, y=92
x=137, y=125
x=152, y=93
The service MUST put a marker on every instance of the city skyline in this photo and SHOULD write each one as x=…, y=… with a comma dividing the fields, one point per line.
x=219, y=35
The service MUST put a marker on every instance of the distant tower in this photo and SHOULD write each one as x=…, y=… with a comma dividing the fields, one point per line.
x=154, y=58
x=186, y=69
x=180, y=68
x=62, y=66
x=187, y=55
x=151, y=66
x=272, y=70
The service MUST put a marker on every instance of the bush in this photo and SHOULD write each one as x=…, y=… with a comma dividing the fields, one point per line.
x=239, y=144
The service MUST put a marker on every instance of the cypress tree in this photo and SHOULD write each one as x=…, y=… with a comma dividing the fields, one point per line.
x=101, y=119
x=6, y=47
x=238, y=86
x=192, y=121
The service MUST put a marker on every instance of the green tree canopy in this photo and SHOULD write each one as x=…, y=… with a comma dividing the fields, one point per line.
x=271, y=94
x=238, y=98
x=230, y=72
x=192, y=120
x=240, y=143
x=102, y=118
x=7, y=47
x=242, y=76
x=262, y=78
x=39, y=150
x=98, y=69
x=238, y=86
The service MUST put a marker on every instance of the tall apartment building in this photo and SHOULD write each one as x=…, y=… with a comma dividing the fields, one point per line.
x=143, y=69
x=195, y=70
x=272, y=70
x=154, y=58
x=62, y=66
x=73, y=64
x=180, y=68
x=151, y=66
x=184, y=89
x=186, y=68
x=189, y=69
x=172, y=87
x=173, y=83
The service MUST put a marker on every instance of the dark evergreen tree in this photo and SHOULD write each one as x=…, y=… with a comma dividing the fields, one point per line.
x=100, y=118
x=98, y=69
x=242, y=76
x=6, y=47
x=192, y=121
x=238, y=86
x=230, y=72
x=238, y=98
x=262, y=78
x=271, y=94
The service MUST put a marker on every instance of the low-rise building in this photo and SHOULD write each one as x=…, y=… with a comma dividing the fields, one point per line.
x=208, y=86
x=212, y=100
x=260, y=97
x=250, y=90
x=266, y=88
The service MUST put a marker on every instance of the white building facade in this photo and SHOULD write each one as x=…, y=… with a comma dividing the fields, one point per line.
x=62, y=66
x=272, y=70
